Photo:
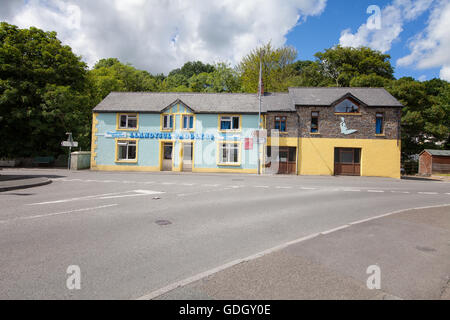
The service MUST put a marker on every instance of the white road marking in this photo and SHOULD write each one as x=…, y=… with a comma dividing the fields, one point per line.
x=125, y=194
x=182, y=283
x=57, y=213
x=148, y=191
x=352, y=190
x=335, y=229
x=375, y=191
x=283, y=187
x=265, y=187
x=75, y=199
x=428, y=193
x=304, y=188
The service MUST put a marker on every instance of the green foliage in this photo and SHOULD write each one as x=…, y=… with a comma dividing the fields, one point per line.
x=342, y=64
x=192, y=68
x=426, y=113
x=42, y=88
x=277, y=68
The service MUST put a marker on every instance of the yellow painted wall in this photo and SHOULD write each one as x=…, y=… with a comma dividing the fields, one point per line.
x=379, y=158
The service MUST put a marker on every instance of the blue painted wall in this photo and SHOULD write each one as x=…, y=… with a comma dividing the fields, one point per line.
x=205, y=151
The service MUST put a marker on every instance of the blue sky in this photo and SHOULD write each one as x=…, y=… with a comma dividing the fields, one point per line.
x=320, y=32
x=159, y=36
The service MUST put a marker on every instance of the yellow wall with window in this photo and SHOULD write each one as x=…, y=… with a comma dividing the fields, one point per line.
x=379, y=158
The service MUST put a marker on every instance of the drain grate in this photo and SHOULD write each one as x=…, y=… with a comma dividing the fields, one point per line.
x=163, y=222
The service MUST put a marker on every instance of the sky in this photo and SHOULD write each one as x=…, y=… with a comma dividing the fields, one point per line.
x=161, y=35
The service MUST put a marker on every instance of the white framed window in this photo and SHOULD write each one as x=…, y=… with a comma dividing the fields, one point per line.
x=128, y=121
x=126, y=150
x=167, y=122
x=188, y=122
x=230, y=123
x=229, y=153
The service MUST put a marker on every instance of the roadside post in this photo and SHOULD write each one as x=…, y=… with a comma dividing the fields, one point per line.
x=69, y=144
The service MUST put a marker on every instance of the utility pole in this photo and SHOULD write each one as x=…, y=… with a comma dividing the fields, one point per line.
x=259, y=113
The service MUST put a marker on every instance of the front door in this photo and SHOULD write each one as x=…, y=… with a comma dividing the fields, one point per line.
x=187, y=156
x=287, y=160
x=167, y=156
x=347, y=161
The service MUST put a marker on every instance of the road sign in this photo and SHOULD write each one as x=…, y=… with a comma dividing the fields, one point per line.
x=72, y=144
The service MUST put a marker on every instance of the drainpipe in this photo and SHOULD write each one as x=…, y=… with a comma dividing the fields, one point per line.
x=298, y=142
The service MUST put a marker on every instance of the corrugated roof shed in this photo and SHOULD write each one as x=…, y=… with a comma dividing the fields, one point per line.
x=441, y=153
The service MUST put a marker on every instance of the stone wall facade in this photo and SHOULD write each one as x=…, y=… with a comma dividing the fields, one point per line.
x=329, y=123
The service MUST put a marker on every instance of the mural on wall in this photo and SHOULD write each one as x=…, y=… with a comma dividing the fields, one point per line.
x=344, y=129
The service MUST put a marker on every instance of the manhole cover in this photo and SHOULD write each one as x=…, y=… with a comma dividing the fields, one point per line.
x=425, y=249
x=163, y=222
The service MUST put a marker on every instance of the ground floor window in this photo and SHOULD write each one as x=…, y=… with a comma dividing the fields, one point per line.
x=126, y=150
x=229, y=153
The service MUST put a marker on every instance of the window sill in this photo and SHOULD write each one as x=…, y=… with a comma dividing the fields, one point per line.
x=230, y=131
x=127, y=129
x=380, y=135
x=166, y=130
x=347, y=114
x=315, y=133
x=126, y=161
x=229, y=164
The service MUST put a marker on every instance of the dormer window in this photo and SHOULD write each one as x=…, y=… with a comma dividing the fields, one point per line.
x=346, y=106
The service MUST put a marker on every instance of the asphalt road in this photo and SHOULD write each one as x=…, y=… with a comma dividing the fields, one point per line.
x=106, y=223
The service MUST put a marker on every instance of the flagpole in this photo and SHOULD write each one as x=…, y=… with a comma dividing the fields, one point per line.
x=259, y=114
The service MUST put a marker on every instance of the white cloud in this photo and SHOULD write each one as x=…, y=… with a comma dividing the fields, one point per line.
x=161, y=35
x=393, y=18
x=431, y=48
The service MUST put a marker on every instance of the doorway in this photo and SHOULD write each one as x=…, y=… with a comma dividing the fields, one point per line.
x=167, y=156
x=287, y=160
x=347, y=161
x=187, y=156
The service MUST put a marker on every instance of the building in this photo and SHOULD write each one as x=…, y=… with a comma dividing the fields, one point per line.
x=310, y=131
x=434, y=162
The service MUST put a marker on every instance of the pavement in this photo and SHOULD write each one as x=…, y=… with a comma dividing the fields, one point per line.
x=334, y=265
x=14, y=182
x=132, y=234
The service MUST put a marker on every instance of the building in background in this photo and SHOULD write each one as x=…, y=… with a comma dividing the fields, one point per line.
x=434, y=162
x=310, y=131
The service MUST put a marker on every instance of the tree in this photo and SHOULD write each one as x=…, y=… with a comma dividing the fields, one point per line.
x=277, y=68
x=42, y=88
x=371, y=80
x=307, y=74
x=425, y=120
x=342, y=64
x=192, y=68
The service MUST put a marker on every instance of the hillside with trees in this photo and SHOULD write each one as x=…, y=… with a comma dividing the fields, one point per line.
x=46, y=90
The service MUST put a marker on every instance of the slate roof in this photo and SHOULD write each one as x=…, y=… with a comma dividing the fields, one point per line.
x=372, y=97
x=198, y=102
x=442, y=153
x=242, y=102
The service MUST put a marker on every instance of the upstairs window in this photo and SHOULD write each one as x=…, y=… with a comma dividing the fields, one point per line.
x=379, y=124
x=280, y=124
x=188, y=122
x=346, y=106
x=229, y=123
x=128, y=121
x=167, y=122
x=314, y=122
